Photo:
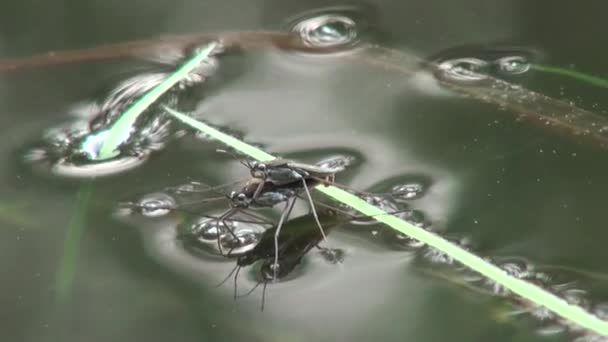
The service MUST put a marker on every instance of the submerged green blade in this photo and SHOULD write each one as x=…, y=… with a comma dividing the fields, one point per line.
x=520, y=287
x=71, y=246
x=119, y=132
x=593, y=80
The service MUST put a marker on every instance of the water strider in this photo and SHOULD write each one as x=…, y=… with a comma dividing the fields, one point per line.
x=298, y=237
x=279, y=180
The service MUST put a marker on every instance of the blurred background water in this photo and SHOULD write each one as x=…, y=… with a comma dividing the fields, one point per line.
x=513, y=189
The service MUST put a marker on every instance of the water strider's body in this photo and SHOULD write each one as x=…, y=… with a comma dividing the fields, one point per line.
x=285, y=171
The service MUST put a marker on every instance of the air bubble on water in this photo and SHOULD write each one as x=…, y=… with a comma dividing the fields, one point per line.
x=551, y=330
x=464, y=69
x=246, y=239
x=408, y=191
x=204, y=230
x=338, y=163
x=513, y=65
x=517, y=268
x=156, y=205
x=328, y=30
x=436, y=256
x=384, y=203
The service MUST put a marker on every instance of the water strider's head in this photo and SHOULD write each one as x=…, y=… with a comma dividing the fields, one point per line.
x=258, y=169
x=239, y=199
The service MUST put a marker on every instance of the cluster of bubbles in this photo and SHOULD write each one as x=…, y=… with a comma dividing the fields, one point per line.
x=74, y=148
x=397, y=200
x=475, y=69
x=203, y=233
x=550, y=323
x=198, y=232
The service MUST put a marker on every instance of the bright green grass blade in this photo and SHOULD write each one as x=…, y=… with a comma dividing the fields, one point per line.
x=520, y=287
x=121, y=129
x=238, y=145
x=593, y=80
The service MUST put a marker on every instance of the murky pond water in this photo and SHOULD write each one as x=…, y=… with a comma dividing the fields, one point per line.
x=471, y=168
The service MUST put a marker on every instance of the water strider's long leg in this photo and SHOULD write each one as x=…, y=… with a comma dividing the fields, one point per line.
x=236, y=277
x=286, y=211
x=222, y=220
x=258, y=190
x=228, y=276
x=261, y=219
x=205, y=189
x=263, y=295
x=314, y=212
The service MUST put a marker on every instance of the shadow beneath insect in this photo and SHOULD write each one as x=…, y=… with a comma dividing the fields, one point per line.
x=298, y=236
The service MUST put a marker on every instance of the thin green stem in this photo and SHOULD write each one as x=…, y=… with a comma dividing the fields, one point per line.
x=71, y=247
x=593, y=80
x=520, y=287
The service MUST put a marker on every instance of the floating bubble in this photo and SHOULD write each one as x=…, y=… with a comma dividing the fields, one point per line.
x=207, y=229
x=328, y=30
x=408, y=191
x=517, y=268
x=156, y=205
x=336, y=162
x=551, y=330
x=384, y=203
x=204, y=231
x=466, y=69
x=513, y=65
x=436, y=256
x=246, y=239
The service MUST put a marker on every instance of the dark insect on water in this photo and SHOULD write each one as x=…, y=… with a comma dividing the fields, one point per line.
x=276, y=261
x=278, y=255
x=281, y=180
